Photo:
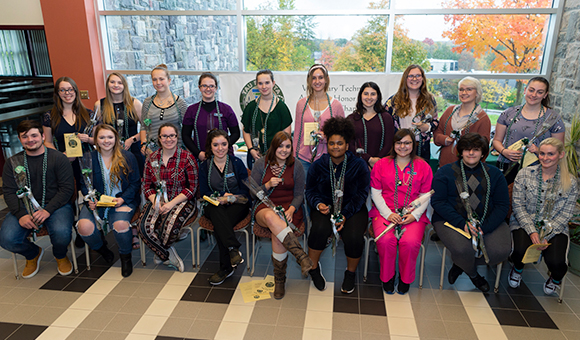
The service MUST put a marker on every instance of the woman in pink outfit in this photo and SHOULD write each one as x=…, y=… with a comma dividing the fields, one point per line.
x=396, y=181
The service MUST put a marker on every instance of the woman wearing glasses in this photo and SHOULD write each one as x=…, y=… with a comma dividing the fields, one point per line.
x=458, y=116
x=396, y=181
x=311, y=114
x=208, y=114
x=264, y=117
x=123, y=112
x=67, y=116
x=162, y=107
x=411, y=107
x=170, y=185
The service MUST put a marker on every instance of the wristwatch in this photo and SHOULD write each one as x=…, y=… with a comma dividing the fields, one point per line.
x=134, y=139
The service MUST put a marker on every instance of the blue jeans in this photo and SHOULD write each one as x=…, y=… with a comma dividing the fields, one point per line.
x=124, y=239
x=306, y=166
x=14, y=238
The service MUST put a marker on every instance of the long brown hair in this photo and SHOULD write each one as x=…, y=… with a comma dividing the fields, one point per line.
x=108, y=111
x=80, y=111
x=279, y=137
x=118, y=162
x=401, y=100
x=214, y=133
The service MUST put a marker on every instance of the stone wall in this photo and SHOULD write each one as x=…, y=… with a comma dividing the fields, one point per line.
x=565, y=79
x=171, y=5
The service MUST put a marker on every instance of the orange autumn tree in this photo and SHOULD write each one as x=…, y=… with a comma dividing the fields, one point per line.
x=515, y=40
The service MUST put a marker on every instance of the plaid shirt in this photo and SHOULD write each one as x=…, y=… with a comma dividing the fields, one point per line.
x=525, y=201
x=179, y=181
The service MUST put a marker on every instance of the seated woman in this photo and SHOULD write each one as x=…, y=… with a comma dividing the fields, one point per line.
x=336, y=190
x=485, y=190
x=170, y=185
x=283, y=179
x=115, y=173
x=544, y=196
x=396, y=181
x=223, y=174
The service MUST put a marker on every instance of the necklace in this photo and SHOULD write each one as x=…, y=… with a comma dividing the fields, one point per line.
x=399, y=183
x=552, y=190
x=337, y=186
x=107, y=188
x=302, y=122
x=175, y=173
x=197, y=116
x=225, y=187
x=147, y=120
x=125, y=121
x=487, y=192
x=44, y=170
x=455, y=109
x=515, y=119
x=382, y=131
x=255, y=133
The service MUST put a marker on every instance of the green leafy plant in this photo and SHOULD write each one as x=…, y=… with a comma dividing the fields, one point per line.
x=574, y=225
x=572, y=137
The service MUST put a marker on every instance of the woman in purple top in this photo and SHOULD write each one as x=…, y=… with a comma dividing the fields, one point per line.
x=525, y=120
x=373, y=126
x=208, y=114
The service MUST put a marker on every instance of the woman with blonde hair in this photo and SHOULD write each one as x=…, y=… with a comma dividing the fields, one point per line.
x=411, y=107
x=544, y=197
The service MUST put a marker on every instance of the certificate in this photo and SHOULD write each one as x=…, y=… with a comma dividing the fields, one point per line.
x=308, y=128
x=533, y=253
x=106, y=202
x=72, y=144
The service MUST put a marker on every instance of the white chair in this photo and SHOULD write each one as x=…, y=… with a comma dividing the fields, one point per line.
x=497, y=274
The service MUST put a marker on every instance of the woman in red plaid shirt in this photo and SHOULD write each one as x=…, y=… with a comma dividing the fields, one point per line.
x=169, y=184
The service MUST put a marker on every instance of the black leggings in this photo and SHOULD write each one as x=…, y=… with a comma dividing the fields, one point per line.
x=352, y=233
x=554, y=255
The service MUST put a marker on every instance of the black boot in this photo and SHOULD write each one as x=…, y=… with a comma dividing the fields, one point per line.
x=126, y=264
x=107, y=255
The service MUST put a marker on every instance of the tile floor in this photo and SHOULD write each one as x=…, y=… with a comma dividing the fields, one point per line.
x=159, y=303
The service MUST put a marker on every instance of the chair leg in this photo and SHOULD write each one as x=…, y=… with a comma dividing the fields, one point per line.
x=442, y=268
x=254, y=253
x=73, y=253
x=15, y=267
x=142, y=251
x=367, y=246
x=192, y=245
x=88, y=256
x=422, y=266
x=561, y=295
x=497, y=277
x=250, y=271
x=198, y=247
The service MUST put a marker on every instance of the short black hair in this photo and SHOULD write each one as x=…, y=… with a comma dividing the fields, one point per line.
x=26, y=125
x=339, y=126
x=473, y=140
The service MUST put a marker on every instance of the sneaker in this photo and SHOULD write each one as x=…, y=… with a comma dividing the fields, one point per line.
x=174, y=260
x=183, y=234
x=481, y=283
x=348, y=283
x=219, y=277
x=317, y=278
x=454, y=273
x=236, y=257
x=32, y=266
x=402, y=287
x=514, y=278
x=157, y=260
x=550, y=287
x=389, y=286
x=64, y=266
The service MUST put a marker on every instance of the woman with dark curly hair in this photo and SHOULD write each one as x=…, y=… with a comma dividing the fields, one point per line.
x=371, y=120
x=337, y=186
x=411, y=106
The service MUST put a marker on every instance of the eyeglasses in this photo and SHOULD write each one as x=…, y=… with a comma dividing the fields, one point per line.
x=414, y=76
x=64, y=91
x=466, y=89
x=399, y=143
x=204, y=86
x=171, y=136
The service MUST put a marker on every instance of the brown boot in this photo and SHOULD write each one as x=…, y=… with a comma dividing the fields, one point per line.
x=293, y=246
x=279, y=278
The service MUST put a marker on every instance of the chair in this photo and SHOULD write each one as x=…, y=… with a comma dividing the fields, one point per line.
x=260, y=231
x=497, y=274
x=241, y=227
x=371, y=238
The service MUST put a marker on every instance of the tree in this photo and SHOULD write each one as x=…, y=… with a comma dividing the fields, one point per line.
x=515, y=40
x=494, y=92
x=329, y=53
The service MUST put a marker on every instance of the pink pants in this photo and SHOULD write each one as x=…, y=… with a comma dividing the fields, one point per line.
x=409, y=246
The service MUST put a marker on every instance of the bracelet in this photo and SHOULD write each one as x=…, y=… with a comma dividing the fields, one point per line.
x=501, y=152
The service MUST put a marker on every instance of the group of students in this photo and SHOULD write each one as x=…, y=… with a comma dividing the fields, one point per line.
x=325, y=171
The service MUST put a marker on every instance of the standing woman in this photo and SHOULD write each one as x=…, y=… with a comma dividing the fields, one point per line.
x=311, y=114
x=411, y=104
x=68, y=115
x=208, y=114
x=484, y=188
x=170, y=185
x=396, y=181
x=456, y=116
x=543, y=194
x=522, y=121
x=122, y=112
x=337, y=188
x=224, y=173
x=116, y=175
x=283, y=179
x=370, y=121
x=162, y=107
x=264, y=117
